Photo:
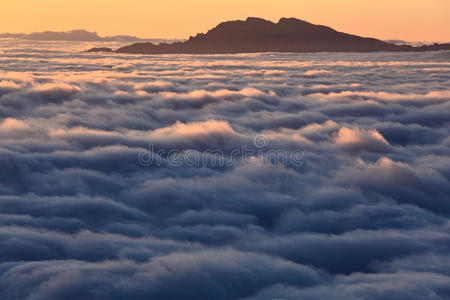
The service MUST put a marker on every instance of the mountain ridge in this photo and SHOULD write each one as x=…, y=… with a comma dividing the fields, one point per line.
x=77, y=35
x=255, y=35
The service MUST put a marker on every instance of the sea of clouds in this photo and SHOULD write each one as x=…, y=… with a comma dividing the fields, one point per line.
x=365, y=215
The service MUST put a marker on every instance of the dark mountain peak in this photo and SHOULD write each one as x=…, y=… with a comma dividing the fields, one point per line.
x=293, y=21
x=238, y=27
x=293, y=24
x=249, y=21
x=259, y=35
x=255, y=20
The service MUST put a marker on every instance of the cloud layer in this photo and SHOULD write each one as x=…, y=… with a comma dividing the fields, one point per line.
x=365, y=216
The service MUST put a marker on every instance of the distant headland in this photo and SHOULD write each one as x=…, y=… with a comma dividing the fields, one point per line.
x=79, y=35
x=258, y=35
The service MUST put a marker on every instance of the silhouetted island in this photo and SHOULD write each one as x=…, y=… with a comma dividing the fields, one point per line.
x=259, y=35
x=79, y=35
x=100, y=49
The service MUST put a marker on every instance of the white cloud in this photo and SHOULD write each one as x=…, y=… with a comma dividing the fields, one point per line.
x=357, y=139
x=368, y=205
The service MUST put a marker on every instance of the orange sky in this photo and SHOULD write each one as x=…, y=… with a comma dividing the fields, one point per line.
x=412, y=20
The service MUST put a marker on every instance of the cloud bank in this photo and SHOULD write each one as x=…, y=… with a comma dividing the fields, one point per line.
x=365, y=216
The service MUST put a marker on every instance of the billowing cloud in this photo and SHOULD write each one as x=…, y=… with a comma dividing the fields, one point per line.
x=359, y=139
x=13, y=126
x=92, y=204
x=313, y=73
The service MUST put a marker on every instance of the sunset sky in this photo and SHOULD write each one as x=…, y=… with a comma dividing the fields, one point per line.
x=413, y=20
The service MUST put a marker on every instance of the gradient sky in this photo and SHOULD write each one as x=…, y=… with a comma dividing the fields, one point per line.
x=412, y=20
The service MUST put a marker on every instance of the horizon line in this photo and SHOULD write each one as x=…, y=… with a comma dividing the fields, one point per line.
x=100, y=35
